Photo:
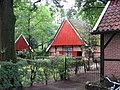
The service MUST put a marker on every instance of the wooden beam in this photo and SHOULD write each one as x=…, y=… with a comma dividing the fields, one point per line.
x=106, y=31
x=111, y=59
x=102, y=55
x=110, y=39
x=55, y=49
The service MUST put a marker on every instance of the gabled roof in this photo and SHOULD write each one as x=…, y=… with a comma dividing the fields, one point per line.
x=21, y=43
x=81, y=27
x=66, y=35
x=109, y=21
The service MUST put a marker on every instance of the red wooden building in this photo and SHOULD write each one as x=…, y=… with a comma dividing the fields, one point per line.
x=22, y=44
x=67, y=41
x=108, y=26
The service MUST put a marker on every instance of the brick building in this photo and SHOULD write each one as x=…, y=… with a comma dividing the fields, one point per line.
x=108, y=26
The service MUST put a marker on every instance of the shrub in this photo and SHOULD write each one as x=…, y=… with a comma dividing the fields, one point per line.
x=28, y=72
x=9, y=77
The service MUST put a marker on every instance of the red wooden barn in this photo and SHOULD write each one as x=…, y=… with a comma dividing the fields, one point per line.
x=108, y=26
x=67, y=41
x=22, y=44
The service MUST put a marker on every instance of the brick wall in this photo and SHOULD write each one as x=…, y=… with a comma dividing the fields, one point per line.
x=112, y=67
x=112, y=51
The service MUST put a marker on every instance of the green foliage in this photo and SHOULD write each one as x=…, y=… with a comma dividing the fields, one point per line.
x=71, y=13
x=90, y=40
x=26, y=72
x=90, y=10
x=9, y=77
x=37, y=25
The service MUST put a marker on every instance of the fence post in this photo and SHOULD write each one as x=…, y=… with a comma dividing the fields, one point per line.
x=84, y=66
x=31, y=77
x=46, y=77
x=76, y=67
x=65, y=68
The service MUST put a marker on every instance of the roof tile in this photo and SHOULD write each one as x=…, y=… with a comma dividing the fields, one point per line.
x=111, y=18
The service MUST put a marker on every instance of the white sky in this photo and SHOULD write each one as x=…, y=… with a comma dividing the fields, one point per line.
x=68, y=4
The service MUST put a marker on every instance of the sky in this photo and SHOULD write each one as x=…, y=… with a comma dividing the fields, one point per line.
x=68, y=4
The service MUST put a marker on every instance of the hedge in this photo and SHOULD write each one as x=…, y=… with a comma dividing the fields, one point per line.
x=28, y=72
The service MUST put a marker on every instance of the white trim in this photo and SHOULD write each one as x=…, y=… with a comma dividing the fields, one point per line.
x=59, y=31
x=76, y=32
x=55, y=36
x=49, y=46
x=101, y=16
x=18, y=38
x=25, y=41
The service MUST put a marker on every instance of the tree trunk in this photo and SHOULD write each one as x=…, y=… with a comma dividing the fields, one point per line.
x=7, y=27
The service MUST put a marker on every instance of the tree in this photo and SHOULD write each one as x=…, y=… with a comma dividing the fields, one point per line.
x=90, y=10
x=71, y=13
x=37, y=24
x=7, y=26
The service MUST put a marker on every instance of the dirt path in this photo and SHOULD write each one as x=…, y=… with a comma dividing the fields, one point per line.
x=66, y=85
x=59, y=85
x=75, y=83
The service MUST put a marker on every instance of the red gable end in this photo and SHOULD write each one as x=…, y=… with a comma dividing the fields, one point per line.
x=67, y=36
x=22, y=44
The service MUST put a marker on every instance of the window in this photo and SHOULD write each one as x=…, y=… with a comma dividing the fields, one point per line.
x=67, y=50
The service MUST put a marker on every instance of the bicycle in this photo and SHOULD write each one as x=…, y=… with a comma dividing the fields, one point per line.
x=114, y=84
